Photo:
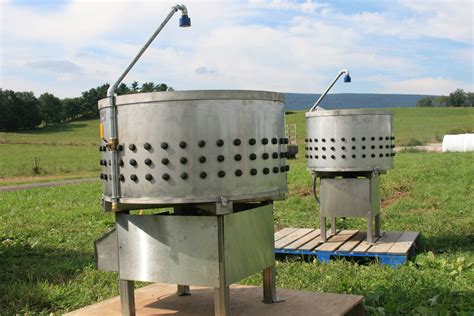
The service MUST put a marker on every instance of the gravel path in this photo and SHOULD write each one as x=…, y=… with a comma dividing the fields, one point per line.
x=45, y=184
x=430, y=147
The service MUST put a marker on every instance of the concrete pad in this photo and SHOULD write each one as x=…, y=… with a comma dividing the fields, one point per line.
x=161, y=299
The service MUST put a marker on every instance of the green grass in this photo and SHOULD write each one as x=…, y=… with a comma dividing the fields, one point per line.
x=17, y=160
x=77, y=133
x=47, y=234
x=425, y=124
x=63, y=151
x=70, y=149
x=46, y=261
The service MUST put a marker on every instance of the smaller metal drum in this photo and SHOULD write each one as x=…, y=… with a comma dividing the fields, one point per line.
x=349, y=140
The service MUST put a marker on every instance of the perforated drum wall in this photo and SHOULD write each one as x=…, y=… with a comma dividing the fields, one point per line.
x=349, y=140
x=198, y=146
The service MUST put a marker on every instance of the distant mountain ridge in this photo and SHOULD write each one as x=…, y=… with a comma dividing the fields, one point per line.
x=304, y=101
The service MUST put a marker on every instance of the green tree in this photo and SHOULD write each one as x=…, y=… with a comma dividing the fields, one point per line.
x=90, y=99
x=441, y=100
x=148, y=87
x=470, y=99
x=18, y=110
x=457, y=98
x=72, y=108
x=425, y=102
x=135, y=87
x=122, y=89
x=7, y=105
x=161, y=87
x=50, y=108
x=29, y=115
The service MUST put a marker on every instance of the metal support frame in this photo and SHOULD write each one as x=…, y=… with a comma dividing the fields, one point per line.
x=333, y=225
x=269, y=286
x=224, y=276
x=183, y=290
x=126, y=288
x=221, y=293
x=377, y=225
x=322, y=227
x=127, y=297
x=371, y=230
x=370, y=233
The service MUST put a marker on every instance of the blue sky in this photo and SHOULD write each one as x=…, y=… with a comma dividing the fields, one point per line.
x=396, y=46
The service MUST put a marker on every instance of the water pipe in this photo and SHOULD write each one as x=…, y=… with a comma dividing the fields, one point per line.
x=112, y=143
x=347, y=78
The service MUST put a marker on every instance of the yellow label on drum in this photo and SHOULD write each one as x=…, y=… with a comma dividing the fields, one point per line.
x=101, y=128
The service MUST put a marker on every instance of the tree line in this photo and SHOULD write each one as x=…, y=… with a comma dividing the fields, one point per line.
x=22, y=110
x=457, y=98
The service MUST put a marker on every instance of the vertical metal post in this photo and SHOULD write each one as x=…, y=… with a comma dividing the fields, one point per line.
x=127, y=297
x=183, y=290
x=221, y=293
x=126, y=287
x=322, y=227
x=269, y=286
x=377, y=225
x=370, y=237
x=333, y=225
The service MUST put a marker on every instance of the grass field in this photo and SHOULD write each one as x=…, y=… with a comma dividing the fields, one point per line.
x=70, y=150
x=47, y=234
x=46, y=261
x=425, y=124
x=63, y=151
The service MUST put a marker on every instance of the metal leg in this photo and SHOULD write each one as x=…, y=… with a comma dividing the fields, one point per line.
x=221, y=301
x=369, y=228
x=221, y=293
x=333, y=225
x=269, y=286
x=322, y=227
x=183, y=290
x=126, y=287
x=127, y=297
x=377, y=225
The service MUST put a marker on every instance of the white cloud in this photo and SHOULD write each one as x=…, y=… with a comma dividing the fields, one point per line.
x=451, y=19
x=231, y=45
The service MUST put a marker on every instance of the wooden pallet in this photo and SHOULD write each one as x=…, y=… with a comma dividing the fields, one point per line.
x=392, y=248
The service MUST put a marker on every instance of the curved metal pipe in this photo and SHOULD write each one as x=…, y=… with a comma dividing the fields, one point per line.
x=346, y=79
x=112, y=143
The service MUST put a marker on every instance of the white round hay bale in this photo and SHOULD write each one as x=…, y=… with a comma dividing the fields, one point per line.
x=458, y=143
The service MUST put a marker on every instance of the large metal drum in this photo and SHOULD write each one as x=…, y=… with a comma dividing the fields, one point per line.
x=349, y=140
x=198, y=146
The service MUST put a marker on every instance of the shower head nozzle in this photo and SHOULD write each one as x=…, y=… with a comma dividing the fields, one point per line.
x=184, y=21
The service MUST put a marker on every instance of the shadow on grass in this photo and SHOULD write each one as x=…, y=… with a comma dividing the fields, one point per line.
x=26, y=272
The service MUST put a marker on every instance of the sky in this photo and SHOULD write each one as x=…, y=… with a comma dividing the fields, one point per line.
x=391, y=46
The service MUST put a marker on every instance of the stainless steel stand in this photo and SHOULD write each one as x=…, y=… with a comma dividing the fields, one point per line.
x=350, y=196
x=232, y=245
x=183, y=290
x=127, y=297
x=269, y=286
x=221, y=293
